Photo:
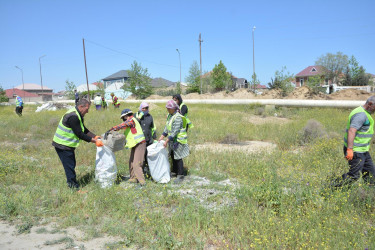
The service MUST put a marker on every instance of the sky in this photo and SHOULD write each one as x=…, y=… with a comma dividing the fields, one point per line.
x=293, y=34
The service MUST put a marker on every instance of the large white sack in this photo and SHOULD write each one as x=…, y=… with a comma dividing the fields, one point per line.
x=106, y=169
x=157, y=158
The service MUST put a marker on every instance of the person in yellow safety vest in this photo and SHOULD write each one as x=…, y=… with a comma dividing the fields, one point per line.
x=183, y=110
x=104, y=103
x=69, y=132
x=115, y=101
x=135, y=140
x=98, y=102
x=149, y=130
x=359, y=131
x=19, y=105
x=176, y=139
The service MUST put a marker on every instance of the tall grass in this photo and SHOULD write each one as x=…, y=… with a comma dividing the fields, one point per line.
x=282, y=197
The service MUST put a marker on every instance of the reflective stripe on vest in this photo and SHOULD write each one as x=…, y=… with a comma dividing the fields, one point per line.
x=191, y=125
x=133, y=139
x=182, y=135
x=362, y=139
x=65, y=135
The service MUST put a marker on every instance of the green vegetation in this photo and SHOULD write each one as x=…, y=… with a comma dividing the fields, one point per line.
x=282, y=199
x=282, y=81
x=69, y=89
x=193, y=78
x=139, y=82
x=220, y=77
x=3, y=97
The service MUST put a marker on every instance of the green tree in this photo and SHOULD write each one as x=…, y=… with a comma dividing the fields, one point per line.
x=139, y=82
x=193, y=79
x=361, y=79
x=314, y=83
x=69, y=89
x=3, y=97
x=254, y=82
x=335, y=64
x=282, y=81
x=355, y=74
x=220, y=76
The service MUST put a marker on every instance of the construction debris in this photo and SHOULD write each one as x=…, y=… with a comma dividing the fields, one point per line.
x=51, y=106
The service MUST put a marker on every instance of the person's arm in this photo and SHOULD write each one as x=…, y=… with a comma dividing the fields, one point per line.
x=126, y=124
x=75, y=124
x=351, y=136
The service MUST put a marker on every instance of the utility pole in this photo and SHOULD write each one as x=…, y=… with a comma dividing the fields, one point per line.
x=41, y=81
x=179, y=56
x=254, y=62
x=87, y=80
x=200, y=56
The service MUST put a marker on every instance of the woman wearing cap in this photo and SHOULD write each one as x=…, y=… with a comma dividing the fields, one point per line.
x=149, y=130
x=176, y=139
x=135, y=140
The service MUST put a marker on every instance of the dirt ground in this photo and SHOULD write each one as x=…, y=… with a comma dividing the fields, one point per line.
x=303, y=93
x=246, y=146
x=49, y=237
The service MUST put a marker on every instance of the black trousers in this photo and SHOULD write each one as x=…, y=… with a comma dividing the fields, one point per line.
x=68, y=159
x=19, y=110
x=361, y=163
x=177, y=165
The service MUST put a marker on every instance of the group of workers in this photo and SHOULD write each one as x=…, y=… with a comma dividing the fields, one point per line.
x=140, y=132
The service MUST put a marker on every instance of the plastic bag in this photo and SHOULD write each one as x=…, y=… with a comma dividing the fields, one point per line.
x=157, y=158
x=114, y=140
x=106, y=169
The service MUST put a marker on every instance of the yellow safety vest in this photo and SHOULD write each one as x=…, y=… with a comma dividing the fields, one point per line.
x=65, y=135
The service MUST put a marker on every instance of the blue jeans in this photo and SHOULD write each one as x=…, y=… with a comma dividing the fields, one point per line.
x=361, y=163
x=68, y=160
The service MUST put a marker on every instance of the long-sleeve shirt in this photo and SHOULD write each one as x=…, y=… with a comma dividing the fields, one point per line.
x=129, y=123
x=180, y=150
x=72, y=121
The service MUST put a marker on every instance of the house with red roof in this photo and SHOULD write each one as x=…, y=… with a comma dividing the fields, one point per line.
x=303, y=77
x=44, y=92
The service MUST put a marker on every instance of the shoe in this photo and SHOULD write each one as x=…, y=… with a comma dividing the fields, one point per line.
x=173, y=174
x=133, y=180
x=180, y=178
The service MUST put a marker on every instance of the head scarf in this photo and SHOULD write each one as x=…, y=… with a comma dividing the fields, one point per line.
x=143, y=105
x=172, y=105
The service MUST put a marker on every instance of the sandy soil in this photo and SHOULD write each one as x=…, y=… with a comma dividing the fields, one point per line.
x=44, y=237
x=246, y=146
x=303, y=93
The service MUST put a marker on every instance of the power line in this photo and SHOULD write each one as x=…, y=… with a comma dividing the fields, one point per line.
x=127, y=54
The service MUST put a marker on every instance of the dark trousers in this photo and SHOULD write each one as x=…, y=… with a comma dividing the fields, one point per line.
x=177, y=165
x=68, y=159
x=19, y=110
x=361, y=163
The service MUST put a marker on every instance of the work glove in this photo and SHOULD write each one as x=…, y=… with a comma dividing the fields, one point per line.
x=97, y=137
x=106, y=134
x=349, y=154
x=99, y=143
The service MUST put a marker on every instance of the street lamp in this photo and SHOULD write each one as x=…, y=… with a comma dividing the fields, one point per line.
x=41, y=80
x=23, y=84
x=253, y=60
x=179, y=56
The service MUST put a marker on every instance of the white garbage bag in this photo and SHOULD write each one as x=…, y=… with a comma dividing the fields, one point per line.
x=157, y=158
x=106, y=169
